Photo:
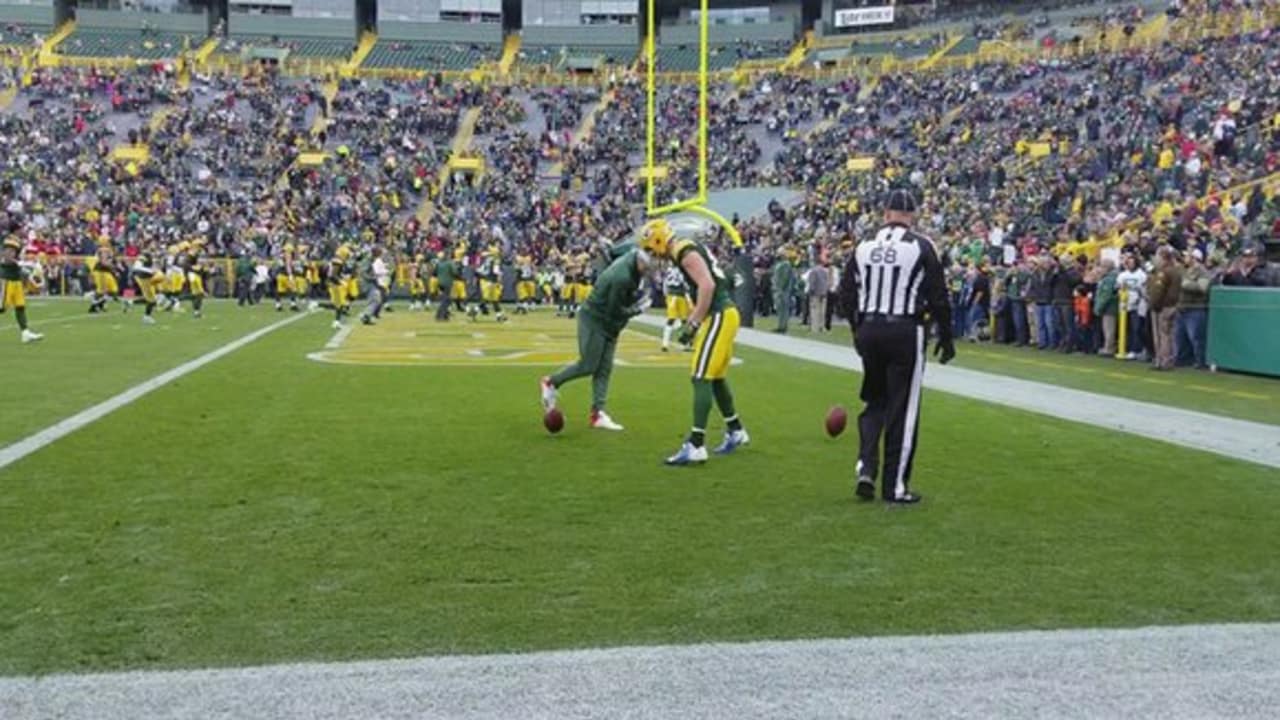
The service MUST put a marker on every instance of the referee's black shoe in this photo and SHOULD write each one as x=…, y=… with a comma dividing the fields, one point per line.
x=866, y=489
x=907, y=498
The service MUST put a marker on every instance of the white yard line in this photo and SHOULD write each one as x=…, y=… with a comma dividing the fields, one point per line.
x=33, y=443
x=339, y=337
x=1238, y=439
x=1170, y=673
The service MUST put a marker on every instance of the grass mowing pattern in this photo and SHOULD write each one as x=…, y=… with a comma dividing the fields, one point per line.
x=85, y=359
x=271, y=508
x=1246, y=397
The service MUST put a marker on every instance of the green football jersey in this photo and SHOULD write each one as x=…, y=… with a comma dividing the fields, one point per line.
x=722, y=299
x=614, y=294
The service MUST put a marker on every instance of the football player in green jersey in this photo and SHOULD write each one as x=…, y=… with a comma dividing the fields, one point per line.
x=612, y=303
x=712, y=327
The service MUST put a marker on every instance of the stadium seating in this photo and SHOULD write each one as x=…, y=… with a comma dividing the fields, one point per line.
x=307, y=47
x=22, y=34
x=722, y=57
x=112, y=42
x=560, y=57
x=421, y=55
x=967, y=46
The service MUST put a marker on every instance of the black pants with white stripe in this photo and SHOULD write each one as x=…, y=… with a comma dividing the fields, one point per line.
x=893, y=368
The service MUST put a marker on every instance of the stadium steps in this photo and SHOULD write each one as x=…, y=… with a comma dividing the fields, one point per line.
x=798, y=53
x=863, y=93
x=206, y=49
x=938, y=54
x=510, y=52
x=461, y=141
x=46, y=56
x=367, y=42
x=585, y=128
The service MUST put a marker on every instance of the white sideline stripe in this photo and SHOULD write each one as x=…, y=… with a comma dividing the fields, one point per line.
x=1236, y=439
x=339, y=337
x=1170, y=673
x=53, y=433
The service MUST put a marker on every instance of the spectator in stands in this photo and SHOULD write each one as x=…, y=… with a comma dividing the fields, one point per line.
x=1132, y=281
x=1193, y=312
x=1106, y=305
x=1163, y=288
x=1248, y=270
x=1044, y=276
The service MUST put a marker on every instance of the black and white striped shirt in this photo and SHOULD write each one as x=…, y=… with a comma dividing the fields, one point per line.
x=896, y=273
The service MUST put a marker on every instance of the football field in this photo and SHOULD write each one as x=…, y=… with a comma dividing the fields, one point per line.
x=390, y=492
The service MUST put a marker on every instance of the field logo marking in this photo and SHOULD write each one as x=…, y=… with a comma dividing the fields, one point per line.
x=534, y=341
x=18, y=450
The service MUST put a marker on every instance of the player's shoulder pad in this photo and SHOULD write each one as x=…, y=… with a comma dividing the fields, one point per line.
x=681, y=247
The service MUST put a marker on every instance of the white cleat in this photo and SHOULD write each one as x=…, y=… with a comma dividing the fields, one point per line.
x=148, y=320
x=549, y=395
x=733, y=440
x=313, y=306
x=30, y=336
x=600, y=420
x=337, y=325
x=689, y=455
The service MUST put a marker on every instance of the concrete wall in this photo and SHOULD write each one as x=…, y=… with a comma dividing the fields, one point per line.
x=33, y=13
x=338, y=9
x=408, y=11
x=581, y=36
x=246, y=24
x=451, y=32
x=721, y=34
x=194, y=23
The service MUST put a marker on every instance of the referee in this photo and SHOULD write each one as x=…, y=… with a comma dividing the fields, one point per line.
x=888, y=285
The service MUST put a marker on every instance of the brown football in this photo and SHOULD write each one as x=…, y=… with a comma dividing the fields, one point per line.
x=837, y=418
x=553, y=420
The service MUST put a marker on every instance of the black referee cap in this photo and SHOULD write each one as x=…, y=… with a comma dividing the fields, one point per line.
x=901, y=201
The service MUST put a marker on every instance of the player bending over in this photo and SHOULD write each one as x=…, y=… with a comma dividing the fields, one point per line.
x=602, y=317
x=105, y=284
x=12, y=293
x=149, y=281
x=712, y=327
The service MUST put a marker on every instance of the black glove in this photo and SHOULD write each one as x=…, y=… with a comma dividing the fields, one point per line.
x=945, y=350
x=687, y=332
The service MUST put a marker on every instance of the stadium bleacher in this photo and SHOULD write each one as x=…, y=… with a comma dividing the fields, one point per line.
x=423, y=55
x=322, y=48
x=119, y=43
x=22, y=35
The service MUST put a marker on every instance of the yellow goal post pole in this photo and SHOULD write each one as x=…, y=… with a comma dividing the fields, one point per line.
x=698, y=203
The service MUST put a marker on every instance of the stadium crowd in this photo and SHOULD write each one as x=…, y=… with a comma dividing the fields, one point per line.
x=1042, y=180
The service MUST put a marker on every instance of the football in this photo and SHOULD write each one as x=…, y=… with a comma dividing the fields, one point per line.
x=837, y=418
x=553, y=420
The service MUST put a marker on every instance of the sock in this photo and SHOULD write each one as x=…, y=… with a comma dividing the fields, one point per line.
x=724, y=400
x=697, y=437
x=21, y=315
x=150, y=306
x=197, y=302
x=666, y=333
x=702, y=397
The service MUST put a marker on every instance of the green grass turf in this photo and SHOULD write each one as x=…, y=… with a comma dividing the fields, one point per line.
x=272, y=508
x=1246, y=397
x=85, y=359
